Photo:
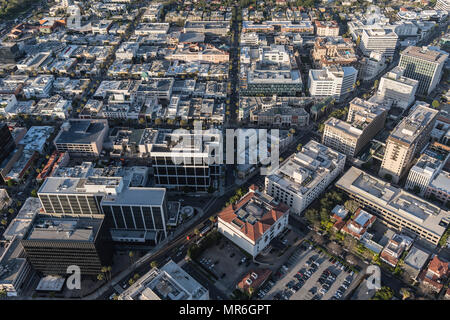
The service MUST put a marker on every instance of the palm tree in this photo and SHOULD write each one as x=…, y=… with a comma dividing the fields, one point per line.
x=405, y=293
x=100, y=277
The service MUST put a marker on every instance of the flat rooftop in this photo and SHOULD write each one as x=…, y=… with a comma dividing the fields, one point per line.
x=305, y=169
x=425, y=53
x=62, y=229
x=81, y=131
x=411, y=127
x=397, y=201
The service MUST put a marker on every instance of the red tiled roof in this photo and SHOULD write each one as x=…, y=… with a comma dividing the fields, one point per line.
x=253, y=231
x=438, y=267
x=262, y=276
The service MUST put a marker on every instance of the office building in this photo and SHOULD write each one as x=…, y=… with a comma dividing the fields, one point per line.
x=14, y=268
x=305, y=175
x=443, y=5
x=439, y=188
x=422, y=173
x=395, y=207
x=365, y=119
x=381, y=40
x=182, y=161
x=8, y=144
x=424, y=65
x=253, y=221
x=83, y=137
x=170, y=282
x=396, y=87
x=53, y=244
x=134, y=213
x=332, y=81
x=372, y=65
x=407, y=140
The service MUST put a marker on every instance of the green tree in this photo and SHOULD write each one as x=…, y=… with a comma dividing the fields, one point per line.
x=385, y=293
x=435, y=104
x=154, y=264
x=100, y=277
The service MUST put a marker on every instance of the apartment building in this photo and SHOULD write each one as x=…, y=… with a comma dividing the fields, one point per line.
x=407, y=140
x=395, y=207
x=424, y=65
x=253, y=221
x=83, y=137
x=381, y=40
x=334, y=81
x=305, y=175
x=327, y=28
x=365, y=119
x=396, y=87
x=329, y=51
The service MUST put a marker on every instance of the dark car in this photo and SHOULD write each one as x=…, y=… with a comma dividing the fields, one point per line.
x=232, y=255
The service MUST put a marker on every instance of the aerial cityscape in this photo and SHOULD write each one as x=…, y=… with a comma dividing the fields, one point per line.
x=240, y=150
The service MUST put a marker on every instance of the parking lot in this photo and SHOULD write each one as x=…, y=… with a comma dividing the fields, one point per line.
x=310, y=275
x=227, y=262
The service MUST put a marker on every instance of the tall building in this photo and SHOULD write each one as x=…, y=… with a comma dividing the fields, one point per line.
x=181, y=161
x=396, y=208
x=372, y=65
x=170, y=282
x=407, y=140
x=442, y=5
x=133, y=213
x=53, y=244
x=332, y=81
x=82, y=137
x=9, y=53
x=398, y=88
x=365, y=119
x=381, y=40
x=253, y=221
x=305, y=175
x=8, y=144
x=424, y=65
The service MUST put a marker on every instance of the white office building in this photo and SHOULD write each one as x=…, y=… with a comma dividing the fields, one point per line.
x=382, y=40
x=305, y=175
x=397, y=88
x=334, y=81
x=422, y=173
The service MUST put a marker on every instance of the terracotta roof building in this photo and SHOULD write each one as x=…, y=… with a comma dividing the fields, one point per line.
x=253, y=221
x=358, y=226
x=254, y=279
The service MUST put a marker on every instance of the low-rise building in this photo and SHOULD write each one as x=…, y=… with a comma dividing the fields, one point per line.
x=394, y=249
x=359, y=225
x=170, y=282
x=253, y=221
x=82, y=136
x=395, y=207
